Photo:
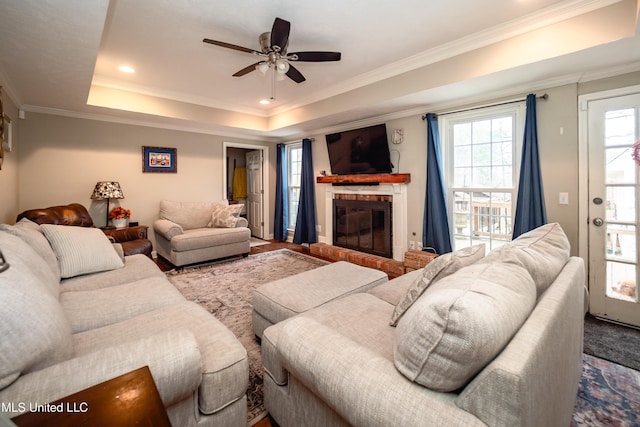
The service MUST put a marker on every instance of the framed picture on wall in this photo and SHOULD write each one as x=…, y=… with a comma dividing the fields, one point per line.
x=159, y=159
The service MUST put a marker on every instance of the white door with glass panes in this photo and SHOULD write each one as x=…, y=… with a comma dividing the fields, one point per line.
x=613, y=128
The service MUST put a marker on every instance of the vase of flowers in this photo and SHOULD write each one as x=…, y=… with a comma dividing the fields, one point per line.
x=119, y=217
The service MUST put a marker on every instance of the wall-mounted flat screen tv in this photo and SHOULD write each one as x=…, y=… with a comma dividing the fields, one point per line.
x=359, y=151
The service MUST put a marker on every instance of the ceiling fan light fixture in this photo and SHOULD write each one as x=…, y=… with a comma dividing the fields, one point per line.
x=282, y=66
x=274, y=54
x=263, y=67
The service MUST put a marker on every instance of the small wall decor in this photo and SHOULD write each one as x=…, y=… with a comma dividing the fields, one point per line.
x=159, y=159
x=398, y=136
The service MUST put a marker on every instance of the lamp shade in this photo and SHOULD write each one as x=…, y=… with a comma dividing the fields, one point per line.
x=282, y=66
x=107, y=190
x=263, y=67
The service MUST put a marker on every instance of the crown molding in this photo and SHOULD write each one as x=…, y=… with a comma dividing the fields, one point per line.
x=176, y=96
x=225, y=133
x=472, y=101
x=545, y=17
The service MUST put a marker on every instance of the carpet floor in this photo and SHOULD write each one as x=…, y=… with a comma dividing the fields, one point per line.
x=225, y=289
x=613, y=342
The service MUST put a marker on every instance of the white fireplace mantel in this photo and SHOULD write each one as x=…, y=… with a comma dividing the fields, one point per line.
x=398, y=211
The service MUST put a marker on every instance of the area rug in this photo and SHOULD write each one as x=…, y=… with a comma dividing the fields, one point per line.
x=226, y=290
x=609, y=395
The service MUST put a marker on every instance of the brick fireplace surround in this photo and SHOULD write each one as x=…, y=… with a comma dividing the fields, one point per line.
x=394, y=185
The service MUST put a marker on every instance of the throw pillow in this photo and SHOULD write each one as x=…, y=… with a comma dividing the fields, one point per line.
x=81, y=250
x=225, y=215
x=543, y=252
x=442, y=266
x=462, y=323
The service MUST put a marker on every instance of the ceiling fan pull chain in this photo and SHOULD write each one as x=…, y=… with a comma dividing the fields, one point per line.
x=273, y=84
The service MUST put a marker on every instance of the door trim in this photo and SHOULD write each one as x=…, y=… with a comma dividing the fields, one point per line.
x=583, y=165
x=265, y=179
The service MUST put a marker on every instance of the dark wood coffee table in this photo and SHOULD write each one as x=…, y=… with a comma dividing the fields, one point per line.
x=131, y=399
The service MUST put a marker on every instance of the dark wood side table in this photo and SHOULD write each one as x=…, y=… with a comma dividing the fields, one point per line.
x=131, y=399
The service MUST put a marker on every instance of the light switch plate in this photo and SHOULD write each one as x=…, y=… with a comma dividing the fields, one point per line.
x=563, y=198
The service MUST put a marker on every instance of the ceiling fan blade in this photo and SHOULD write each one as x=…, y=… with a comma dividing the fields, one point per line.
x=295, y=75
x=280, y=34
x=317, y=56
x=230, y=46
x=246, y=70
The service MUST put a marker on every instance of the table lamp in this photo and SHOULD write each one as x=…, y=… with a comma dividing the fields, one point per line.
x=107, y=190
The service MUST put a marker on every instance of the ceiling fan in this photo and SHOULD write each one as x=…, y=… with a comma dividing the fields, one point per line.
x=273, y=50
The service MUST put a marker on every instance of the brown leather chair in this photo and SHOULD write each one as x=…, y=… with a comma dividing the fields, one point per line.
x=133, y=239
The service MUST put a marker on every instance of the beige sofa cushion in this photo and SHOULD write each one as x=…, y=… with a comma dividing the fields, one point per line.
x=461, y=323
x=188, y=215
x=81, y=250
x=439, y=268
x=224, y=363
x=35, y=332
x=201, y=238
x=543, y=252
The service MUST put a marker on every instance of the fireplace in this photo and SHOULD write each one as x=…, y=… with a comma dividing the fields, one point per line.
x=394, y=186
x=363, y=223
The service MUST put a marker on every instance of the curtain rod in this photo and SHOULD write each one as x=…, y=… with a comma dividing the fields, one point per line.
x=296, y=140
x=515, y=101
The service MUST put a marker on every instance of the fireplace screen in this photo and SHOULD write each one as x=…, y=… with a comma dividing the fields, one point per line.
x=363, y=226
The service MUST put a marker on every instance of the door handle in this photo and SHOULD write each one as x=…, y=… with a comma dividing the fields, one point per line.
x=598, y=222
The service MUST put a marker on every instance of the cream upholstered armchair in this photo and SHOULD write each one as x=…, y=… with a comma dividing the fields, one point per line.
x=191, y=232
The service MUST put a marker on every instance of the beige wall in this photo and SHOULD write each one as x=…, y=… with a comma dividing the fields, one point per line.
x=413, y=160
x=9, y=172
x=62, y=158
x=558, y=149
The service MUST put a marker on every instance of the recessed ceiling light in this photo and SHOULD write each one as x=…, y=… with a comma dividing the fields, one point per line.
x=126, y=69
x=265, y=102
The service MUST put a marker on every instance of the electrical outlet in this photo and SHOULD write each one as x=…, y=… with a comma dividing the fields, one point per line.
x=318, y=228
x=412, y=244
x=419, y=246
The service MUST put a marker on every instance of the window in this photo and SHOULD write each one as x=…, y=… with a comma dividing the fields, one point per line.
x=294, y=171
x=481, y=173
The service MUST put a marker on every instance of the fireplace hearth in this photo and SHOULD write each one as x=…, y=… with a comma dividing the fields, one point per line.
x=363, y=223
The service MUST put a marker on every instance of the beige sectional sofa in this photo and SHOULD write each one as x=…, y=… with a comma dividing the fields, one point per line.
x=191, y=232
x=76, y=313
x=470, y=340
